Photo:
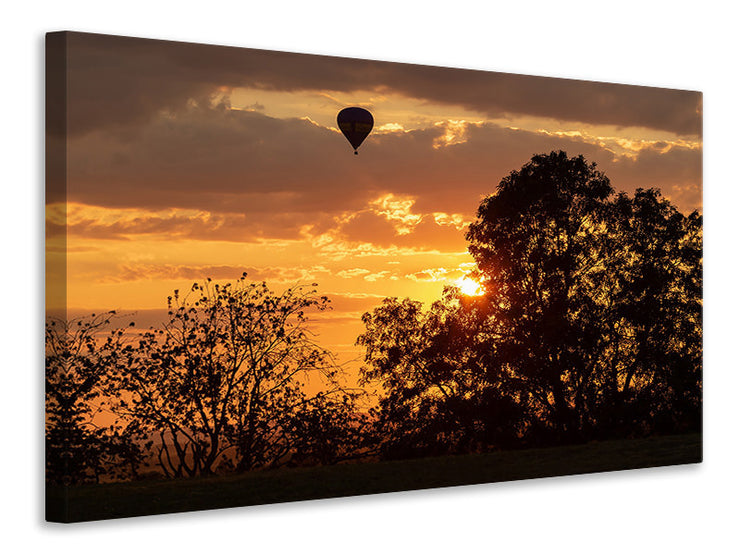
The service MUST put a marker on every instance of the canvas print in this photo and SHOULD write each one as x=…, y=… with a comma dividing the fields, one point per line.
x=275, y=277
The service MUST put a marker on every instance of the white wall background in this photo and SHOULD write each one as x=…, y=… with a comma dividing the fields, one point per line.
x=670, y=44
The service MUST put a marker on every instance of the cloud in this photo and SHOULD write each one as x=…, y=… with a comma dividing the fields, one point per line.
x=140, y=272
x=677, y=171
x=352, y=272
x=368, y=227
x=216, y=174
x=120, y=82
x=431, y=274
x=217, y=160
x=376, y=276
x=175, y=224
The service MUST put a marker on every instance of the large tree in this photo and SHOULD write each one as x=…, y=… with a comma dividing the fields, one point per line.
x=589, y=325
x=222, y=382
x=598, y=297
x=658, y=303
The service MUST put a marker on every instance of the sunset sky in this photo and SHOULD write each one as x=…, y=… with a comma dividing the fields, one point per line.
x=188, y=161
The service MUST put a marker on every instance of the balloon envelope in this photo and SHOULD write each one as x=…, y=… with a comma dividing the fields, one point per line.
x=356, y=124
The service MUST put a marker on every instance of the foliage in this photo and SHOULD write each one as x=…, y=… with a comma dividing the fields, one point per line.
x=437, y=396
x=598, y=298
x=79, y=359
x=331, y=428
x=221, y=383
x=589, y=326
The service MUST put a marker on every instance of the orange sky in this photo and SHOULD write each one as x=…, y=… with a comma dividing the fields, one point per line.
x=188, y=161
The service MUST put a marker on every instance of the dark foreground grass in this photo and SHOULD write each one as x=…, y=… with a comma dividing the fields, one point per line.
x=105, y=501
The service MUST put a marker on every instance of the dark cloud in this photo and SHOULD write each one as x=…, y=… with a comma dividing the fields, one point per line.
x=122, y=82
x=676, y=171
x=249, y=176
x=218, y=160
x=181, y=225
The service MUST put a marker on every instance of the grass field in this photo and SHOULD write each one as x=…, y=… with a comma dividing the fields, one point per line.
x=105, y=501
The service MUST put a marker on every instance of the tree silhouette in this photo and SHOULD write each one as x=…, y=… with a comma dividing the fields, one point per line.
x=80, y=358
x=543, y=245
x=598, y=298
x=330, y=428
x=659, y=305
x=221, y=383
x=438, y=398
x=589, y=326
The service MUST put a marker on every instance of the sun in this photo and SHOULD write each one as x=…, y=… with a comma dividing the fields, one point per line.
x=468, y=286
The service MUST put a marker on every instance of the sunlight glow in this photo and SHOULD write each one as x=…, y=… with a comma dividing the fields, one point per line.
x=469, y=286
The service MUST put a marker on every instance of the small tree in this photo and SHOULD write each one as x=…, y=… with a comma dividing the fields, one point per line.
x=80, y=358
x=437, y=396
x=221, y=381
x=328, y=429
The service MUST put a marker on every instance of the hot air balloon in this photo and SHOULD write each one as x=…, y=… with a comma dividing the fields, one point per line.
x=356, y=124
